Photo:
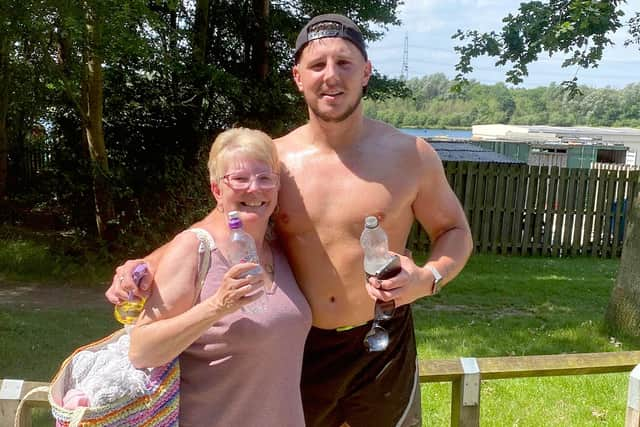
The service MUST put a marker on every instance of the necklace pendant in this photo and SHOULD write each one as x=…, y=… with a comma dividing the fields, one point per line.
x=268, y=268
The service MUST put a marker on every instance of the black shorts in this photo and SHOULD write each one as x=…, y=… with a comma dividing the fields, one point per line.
x=343, y=382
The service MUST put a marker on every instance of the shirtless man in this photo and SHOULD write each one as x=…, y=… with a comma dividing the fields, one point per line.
x=337, y=169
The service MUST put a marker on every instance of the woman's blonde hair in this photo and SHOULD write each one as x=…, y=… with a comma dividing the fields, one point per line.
x=251, y=142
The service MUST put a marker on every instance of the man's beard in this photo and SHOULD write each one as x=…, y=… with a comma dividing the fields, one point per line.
x=328, y=118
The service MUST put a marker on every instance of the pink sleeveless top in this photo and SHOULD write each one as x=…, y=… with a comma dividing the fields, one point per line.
x=245, y=369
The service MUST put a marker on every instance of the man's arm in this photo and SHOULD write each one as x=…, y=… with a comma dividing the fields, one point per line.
x=122, y=283
x=437, y=209
x=440, y=213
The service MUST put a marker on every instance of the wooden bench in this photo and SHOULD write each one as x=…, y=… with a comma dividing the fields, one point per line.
x=465, y=374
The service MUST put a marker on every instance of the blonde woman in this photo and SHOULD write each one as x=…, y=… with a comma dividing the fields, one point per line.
x=238, y=368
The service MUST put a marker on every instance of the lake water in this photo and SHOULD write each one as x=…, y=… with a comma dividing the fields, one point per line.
x=451, y=133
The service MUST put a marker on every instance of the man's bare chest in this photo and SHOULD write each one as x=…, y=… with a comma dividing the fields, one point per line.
x=339, y=198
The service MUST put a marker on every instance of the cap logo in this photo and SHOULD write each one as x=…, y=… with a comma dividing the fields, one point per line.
x=324, y=29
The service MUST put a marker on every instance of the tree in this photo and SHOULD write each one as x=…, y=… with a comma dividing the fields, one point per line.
x=12, y=18
x=22, y=87
x=580, y=29
x=91, y=112
x=130, y=92
x=85, y=33
x=4, y=108
x=623, y=311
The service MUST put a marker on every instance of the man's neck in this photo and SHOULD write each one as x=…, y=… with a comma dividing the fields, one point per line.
x=336, y=135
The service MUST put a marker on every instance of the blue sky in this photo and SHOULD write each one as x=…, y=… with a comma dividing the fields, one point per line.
x=429, y=25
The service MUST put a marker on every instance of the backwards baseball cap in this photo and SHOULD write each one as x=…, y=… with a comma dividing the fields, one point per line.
x=329, y=25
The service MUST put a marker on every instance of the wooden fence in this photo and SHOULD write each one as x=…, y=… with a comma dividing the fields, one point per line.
x=538, y=210
x=28, y=161
x=519, y=209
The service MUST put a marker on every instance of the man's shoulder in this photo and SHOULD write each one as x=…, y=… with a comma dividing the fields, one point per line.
x=380, y=130
x=407, y=148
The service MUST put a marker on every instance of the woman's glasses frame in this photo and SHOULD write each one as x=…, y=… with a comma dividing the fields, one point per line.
x=242, y=181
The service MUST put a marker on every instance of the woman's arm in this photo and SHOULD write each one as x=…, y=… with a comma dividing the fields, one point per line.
x=170, y=322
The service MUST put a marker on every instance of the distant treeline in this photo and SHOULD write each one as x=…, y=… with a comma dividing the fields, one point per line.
x=433, y=105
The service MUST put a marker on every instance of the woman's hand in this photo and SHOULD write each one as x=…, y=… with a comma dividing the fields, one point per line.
x=236, y=291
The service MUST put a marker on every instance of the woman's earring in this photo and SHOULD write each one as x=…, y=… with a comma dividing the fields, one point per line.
x=219, y=207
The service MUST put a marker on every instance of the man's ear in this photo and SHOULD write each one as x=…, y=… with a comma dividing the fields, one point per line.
x=367, y=73
x=296, y=78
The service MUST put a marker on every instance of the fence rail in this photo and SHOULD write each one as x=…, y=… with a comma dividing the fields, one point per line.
x=465, y=374
x=539, y=210
x=614, y=166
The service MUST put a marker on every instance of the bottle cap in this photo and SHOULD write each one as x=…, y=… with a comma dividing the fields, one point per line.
x=371, y=222
x=234, y=220
x=139, y=272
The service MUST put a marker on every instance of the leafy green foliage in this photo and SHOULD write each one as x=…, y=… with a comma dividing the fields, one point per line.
x=364, y=13
x=634, y=30
x=46, y=257
x=176, y=73
x=432, y=104
x=578, y=29
x=381, y=87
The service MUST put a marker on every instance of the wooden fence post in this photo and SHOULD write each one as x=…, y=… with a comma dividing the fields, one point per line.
x=12, y=392
x=633, y=399
x=465, y=395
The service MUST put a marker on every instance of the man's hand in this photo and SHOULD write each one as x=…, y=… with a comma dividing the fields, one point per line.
x=410, y=284
x=123, y=286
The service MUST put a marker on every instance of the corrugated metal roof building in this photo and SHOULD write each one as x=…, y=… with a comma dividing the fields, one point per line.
x=574, y=147
x=467, y=152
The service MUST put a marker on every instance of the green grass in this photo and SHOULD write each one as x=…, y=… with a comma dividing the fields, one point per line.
x=34, y=343
x=498, y=306
x=501, y=306
x=51, y=259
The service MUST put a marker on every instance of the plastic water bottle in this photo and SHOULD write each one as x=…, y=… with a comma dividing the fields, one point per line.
x=378, y=261
x=243, y=249
x=127, y=312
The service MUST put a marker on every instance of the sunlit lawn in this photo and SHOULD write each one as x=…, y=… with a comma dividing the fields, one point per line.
x=502, y=306
x=498, y=306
